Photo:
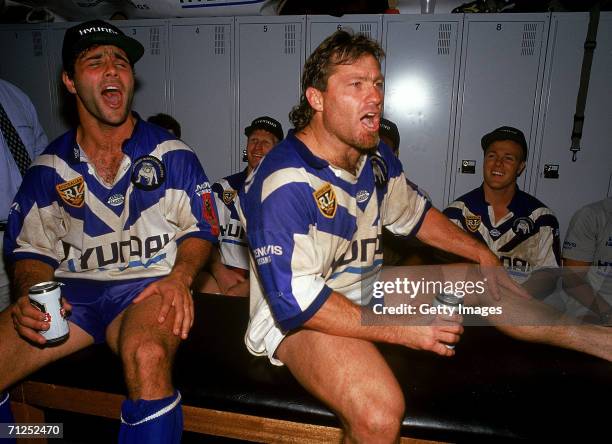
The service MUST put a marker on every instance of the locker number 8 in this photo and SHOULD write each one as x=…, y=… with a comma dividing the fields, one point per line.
x=265, y=28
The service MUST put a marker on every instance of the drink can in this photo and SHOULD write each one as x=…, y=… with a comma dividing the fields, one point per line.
x=46, y=297
x=450, y=300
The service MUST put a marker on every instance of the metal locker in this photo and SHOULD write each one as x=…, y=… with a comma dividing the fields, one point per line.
x=321, y=26
x=500, y=83
x=202, y=89
x=421, y=81
x=269, y=58
x=62, y=101
x=151, y=88
x=564, y=185
x=23, y=62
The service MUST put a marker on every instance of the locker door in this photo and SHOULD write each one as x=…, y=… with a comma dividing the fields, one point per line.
x=151, y=89
x=62, y=101
x=23, y=62
x=501, y=75
x=202, y=89
x=321, y=26
x=421, y=81
x=588, y=178
x=269, y=58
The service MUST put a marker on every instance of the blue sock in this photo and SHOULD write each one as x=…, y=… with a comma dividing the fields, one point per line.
x=6, y=415
x=151, y=422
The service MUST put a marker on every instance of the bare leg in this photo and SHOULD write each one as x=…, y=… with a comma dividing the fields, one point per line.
x=19, y=358
x=352, y=378
x=146, y=347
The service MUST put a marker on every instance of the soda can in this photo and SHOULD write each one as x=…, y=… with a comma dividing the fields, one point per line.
x=46, y=297
x=449, y=300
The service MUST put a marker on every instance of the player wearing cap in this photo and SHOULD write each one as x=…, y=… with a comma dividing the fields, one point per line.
x=230, y=265
x=121, y=212
x=516, y=226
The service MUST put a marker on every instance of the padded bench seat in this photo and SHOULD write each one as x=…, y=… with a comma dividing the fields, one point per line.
x=495, y=389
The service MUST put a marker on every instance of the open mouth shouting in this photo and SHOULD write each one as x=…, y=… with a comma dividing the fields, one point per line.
x=112, y=96
x=371, y=121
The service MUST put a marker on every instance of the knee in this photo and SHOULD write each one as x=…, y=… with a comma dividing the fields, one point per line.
x=145, y=358
x=378, y=419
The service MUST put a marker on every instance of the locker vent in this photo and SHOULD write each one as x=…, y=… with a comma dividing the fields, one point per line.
x=444, y=38
x=290, y=39
x=366, y=29
x=219, y=40
x=529, y=39
x=154, y=40
x=37, y=46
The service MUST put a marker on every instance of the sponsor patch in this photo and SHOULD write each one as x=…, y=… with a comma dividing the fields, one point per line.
x=495, y=232
x=228, y=196
x=326, y=200
x=362, y=196
x=148, y=173
x=472, y=222
x=72, y=192
x=203, y=188
x=115, y=200
x=209, y=214
x=523, y=225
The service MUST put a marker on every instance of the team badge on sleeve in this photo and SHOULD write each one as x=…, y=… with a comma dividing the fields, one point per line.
x=72, y=192
x=148, y=173
x=326, y=200
x=472, y=222
x=228, y=196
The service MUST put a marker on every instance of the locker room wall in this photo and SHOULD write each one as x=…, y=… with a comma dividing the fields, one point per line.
x=477, y=71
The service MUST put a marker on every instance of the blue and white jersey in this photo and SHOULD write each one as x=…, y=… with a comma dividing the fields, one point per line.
x=67, y=217
x=525, y=239
x=233, y=244
x=314, y=228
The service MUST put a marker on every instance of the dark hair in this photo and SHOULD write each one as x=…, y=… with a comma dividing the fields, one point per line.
x=340, y=48
x=167, y=122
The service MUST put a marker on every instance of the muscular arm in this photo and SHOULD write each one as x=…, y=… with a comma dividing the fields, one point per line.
x=27, y=320
x=174, y=289
x=577, y=286
x=441, y=233
x=340, y=317
x=438, y=231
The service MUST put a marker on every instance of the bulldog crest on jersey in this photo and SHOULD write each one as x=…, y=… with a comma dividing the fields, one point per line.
x=72, y=192
x=228, y=196
x=326, y=200
x=472, y=222
x=148, y=173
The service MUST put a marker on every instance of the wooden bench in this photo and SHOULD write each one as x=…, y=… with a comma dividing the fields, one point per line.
x=495, y=390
